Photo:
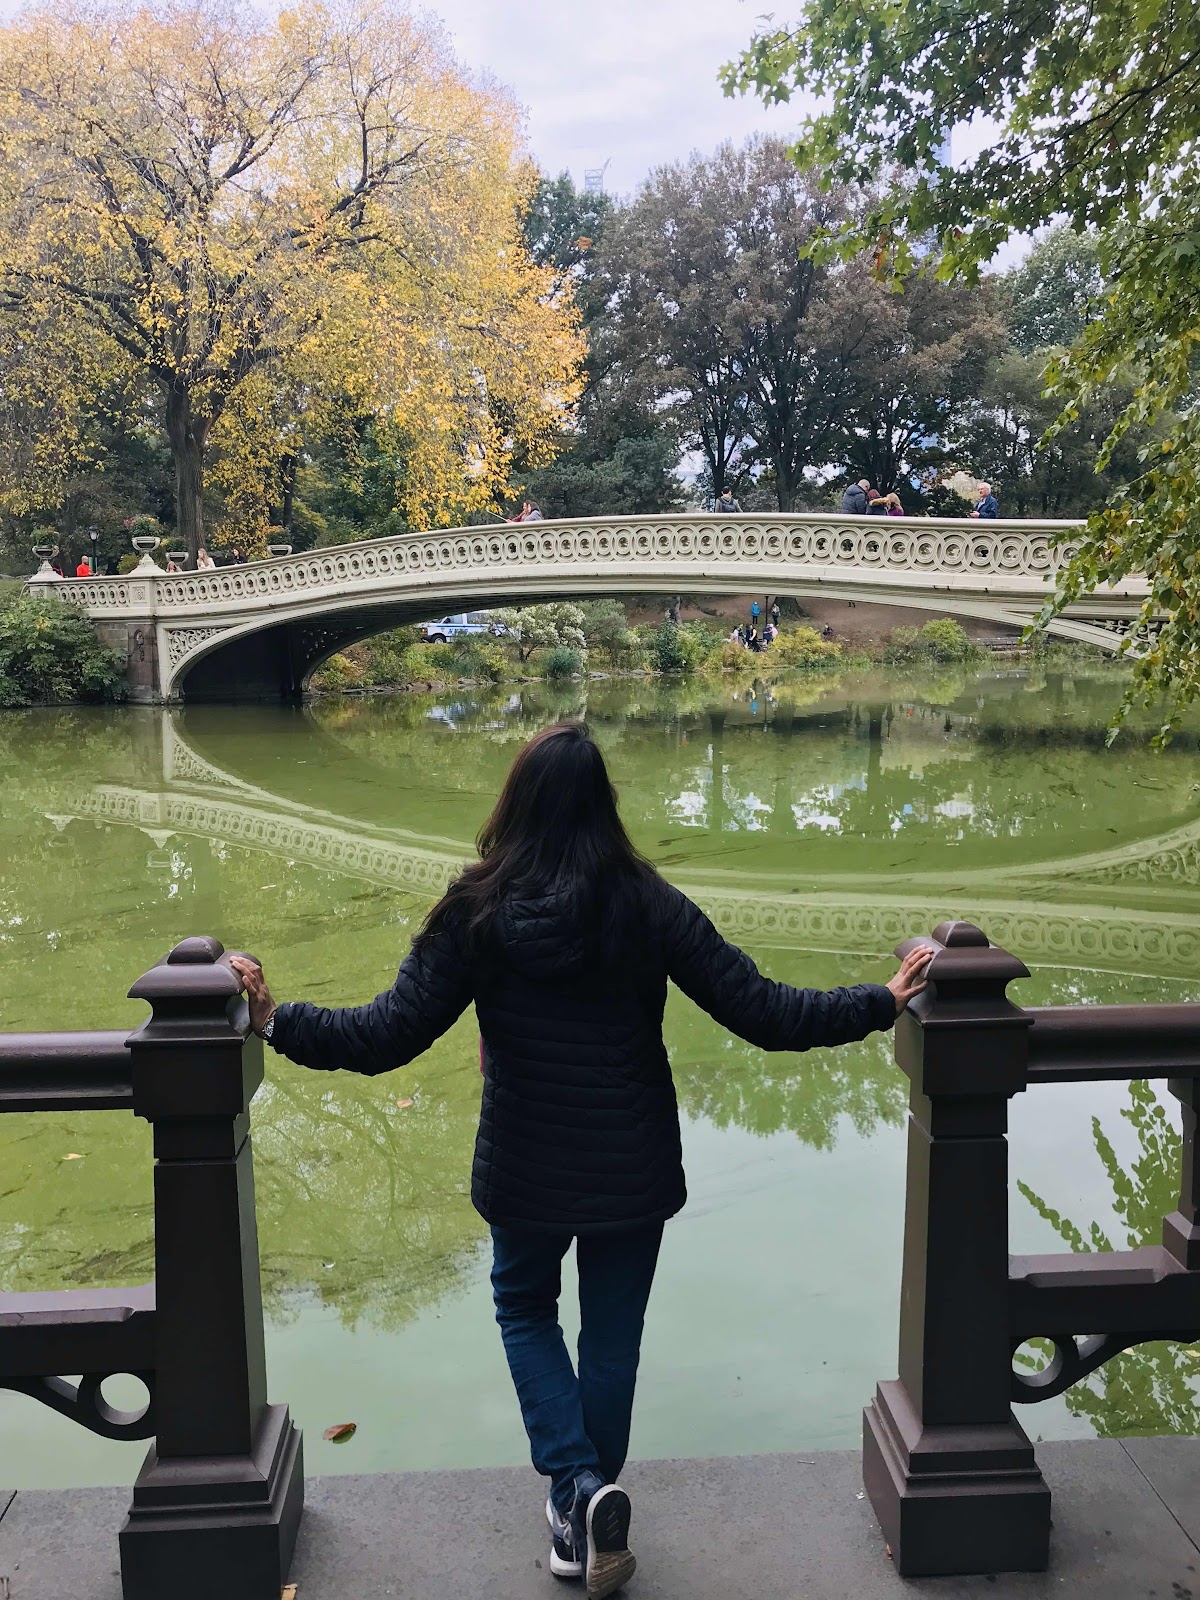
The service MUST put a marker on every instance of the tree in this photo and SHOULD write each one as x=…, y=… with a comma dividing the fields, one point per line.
x=672, y=260
x=618, y=454
x=206, y=199
x=562, y=225
x=923, y=359
x=1055, y=290
x=752, y=343
x=543, y=627
x=1099, y=110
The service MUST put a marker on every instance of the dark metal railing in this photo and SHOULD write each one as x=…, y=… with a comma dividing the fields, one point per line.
x=217, y=1503
x=949, y=1469
x=65, y=1072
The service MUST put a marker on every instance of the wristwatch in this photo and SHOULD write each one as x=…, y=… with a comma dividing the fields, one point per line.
x=268, y=1028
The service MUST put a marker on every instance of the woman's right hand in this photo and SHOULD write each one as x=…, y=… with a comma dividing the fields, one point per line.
x=910, y=979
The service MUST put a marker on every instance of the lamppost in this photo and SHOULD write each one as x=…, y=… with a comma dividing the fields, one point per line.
x=93, y=534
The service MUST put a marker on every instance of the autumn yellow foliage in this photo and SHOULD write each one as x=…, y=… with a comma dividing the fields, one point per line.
x=249, y=221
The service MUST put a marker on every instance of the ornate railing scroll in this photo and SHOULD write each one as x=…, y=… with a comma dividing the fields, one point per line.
x=949, y=1469
x=217, y=1503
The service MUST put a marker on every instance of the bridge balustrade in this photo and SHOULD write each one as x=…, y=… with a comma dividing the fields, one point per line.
x=949, y=1470
x=217, y=1503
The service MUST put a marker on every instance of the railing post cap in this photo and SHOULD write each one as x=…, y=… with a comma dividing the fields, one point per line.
x=954, y=935
x=199, y=950
x=195, y=970
x=964, y=958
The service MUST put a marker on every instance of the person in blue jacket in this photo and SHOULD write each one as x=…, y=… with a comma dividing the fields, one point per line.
x=564, y=937
x=988, y=505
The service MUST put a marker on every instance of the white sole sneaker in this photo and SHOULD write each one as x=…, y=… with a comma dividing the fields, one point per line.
x=559, y=1565
x=609, y=1562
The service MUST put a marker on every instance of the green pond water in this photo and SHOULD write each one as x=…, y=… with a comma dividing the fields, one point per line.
x=818, y=821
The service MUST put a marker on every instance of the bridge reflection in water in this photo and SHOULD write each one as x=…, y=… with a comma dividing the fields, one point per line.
x=201, y=800
x=363, y=1204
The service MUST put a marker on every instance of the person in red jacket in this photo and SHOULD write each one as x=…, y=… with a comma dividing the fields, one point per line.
x=84, y=569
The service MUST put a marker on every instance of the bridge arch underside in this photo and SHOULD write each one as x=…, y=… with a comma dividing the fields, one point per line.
x=273, y=655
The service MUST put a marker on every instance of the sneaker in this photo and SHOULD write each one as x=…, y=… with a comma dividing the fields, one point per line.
x=564, y=1562
x=608, y=1564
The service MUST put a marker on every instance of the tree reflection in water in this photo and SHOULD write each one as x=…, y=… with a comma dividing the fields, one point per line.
x=819, y=821
x=1154, y=1388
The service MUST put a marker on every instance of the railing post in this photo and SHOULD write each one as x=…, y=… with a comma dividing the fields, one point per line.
x=217, y=1503
x=1181, y=1230
x=950, y=1472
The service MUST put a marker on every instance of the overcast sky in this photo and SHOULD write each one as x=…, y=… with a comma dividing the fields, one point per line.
x=633, y=82
x=630, y=82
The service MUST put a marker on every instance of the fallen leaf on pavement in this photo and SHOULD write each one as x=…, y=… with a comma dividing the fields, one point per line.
x=404, y=1104
x=288, y=1592
x=340, y=1432
x=74, y=1156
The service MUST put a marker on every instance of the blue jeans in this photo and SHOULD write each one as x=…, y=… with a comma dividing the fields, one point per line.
x=576, y=1423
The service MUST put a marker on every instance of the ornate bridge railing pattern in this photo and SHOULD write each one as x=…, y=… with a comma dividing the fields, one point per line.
x=952, y=548
x=217, y=1503
x=949, y=1470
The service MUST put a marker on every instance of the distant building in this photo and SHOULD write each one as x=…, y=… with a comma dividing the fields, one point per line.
x=593, y=179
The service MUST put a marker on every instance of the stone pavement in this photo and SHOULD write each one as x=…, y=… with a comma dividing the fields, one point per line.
x=1126, y=1527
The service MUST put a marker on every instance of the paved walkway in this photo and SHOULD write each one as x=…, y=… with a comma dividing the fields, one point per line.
x=1126, y=1527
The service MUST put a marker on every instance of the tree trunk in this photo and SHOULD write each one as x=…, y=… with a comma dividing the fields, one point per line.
x=287, y=472
x=186, y=437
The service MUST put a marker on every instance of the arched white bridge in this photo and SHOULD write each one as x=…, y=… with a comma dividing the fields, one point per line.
x=259, y=631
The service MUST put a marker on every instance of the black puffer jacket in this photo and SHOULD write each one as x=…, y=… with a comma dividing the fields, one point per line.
x=579, y=1128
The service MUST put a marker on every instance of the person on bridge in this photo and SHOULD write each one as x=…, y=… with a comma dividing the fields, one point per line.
x=892, y=505
x=564, y=937
x=84, y=569
x=204, y=562
x=988, y=505
x=854, y=501
x=727, y=503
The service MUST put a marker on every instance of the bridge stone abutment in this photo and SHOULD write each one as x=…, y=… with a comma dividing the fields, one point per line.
x=257, y=632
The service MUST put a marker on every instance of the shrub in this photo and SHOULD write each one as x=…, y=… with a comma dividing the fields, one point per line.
x=677, y=649
x=733, y=654
x=562, y=662
x=942, y=640
x=339, y=672
x=49, y=653
x=387, y=665
x=946, y=640
x=128, y=562
x=478, y=658
x=803, y=647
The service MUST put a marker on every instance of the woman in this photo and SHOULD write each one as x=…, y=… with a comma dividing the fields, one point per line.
x=564, y=937
x=893, y=505
x=204, y=562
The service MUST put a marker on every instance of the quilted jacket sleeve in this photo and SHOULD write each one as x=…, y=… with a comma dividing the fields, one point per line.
x=432, y=990
x=723, y=981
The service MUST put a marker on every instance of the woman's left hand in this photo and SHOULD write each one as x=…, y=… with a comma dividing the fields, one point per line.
x=262, y=1006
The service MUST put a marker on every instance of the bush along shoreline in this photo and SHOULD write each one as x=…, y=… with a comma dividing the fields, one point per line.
x=565, y=641
x=50, y=655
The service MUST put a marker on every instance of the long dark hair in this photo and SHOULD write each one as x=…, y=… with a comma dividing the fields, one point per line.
x=555, y=829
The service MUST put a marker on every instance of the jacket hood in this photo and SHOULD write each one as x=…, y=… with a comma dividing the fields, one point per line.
x=542, y=935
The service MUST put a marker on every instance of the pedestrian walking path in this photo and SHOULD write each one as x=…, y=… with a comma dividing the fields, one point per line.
x=1126, y=1527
